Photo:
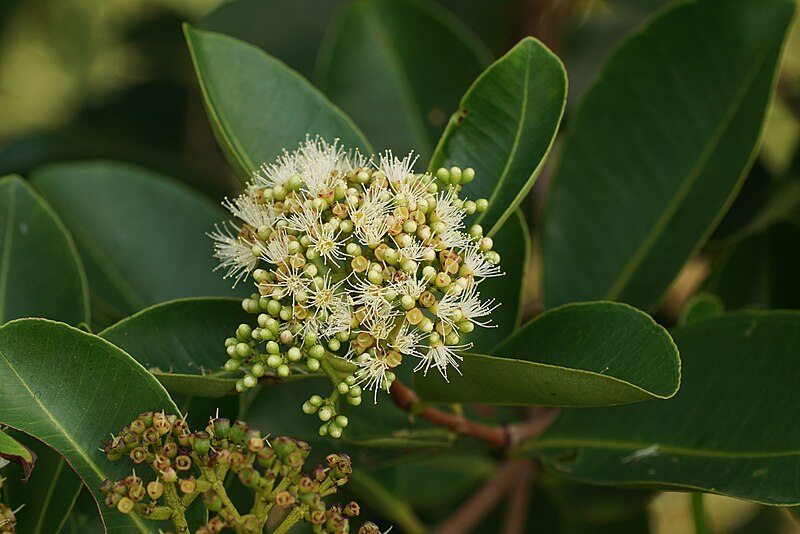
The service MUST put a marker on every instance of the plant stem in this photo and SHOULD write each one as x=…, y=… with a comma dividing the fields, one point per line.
x=291, y=520
x=178, y=509
x=699, y=514
x=499, y=437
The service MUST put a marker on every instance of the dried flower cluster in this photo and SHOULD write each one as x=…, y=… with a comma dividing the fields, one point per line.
x=359, y=259
x=187, y=465
x=8, y=519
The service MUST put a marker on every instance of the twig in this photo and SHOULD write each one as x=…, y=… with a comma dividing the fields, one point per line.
x=499, y=437
x=482, y=501
x=519, y=495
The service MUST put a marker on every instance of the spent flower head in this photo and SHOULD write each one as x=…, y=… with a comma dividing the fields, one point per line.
x=358, y=264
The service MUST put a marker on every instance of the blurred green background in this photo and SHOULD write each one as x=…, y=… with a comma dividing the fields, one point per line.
x=112, y=79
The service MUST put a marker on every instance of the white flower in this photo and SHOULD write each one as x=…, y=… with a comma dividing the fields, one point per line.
x=365, y=293
x=372, y=373
x=327, y=296
x=441, y=357
x=417, y=251
x=476, y=262
x=406, y=341
x=276, y=174
x=276, y=249
x=324, y=237
x=471, y=306
x=339, y=319
x=369, y=217
x=235, y=253
x=291, y=282
x=411, y=285
x=318, y=161
x=448, y=308
x=246, y=208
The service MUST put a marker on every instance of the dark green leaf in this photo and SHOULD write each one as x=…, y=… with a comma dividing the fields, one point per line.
x=505, y=126
x=282, y=29
x=700, y=307
x=48, y=496
x=659, y=149
x=513, y=243
x=106, y=390
x=258, y=106
x=398, y=67
x=141, y=235
x=760, y=271
x=588, y=354
x=731, y=429
x=182, y=342
x=40, y=272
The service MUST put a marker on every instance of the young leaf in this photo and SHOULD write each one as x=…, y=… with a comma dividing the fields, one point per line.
x=587, y=354
x=259, y=107
x=141, y=235
x=659, y=149
x=731, y=429
x=35, y=250
x=397, y=67
x=107, y=389
x=504, y=128
x=15, y=452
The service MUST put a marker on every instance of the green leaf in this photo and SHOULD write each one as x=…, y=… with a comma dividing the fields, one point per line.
x=282, y=29
x=659, y=149
x=727, y=430
x=587, y=354
x=760, y=271
x=513, y=243
x=182, y=342
x=258, y=106
x=105, y=390
x=397, y=67
x=15, y=452
x=40, y=272
x=140, y=234
x=700, y=307
x=48, y=496
x=504, y=128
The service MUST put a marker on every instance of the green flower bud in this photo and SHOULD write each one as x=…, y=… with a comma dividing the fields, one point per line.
x=334, y=430
x=353, y=401
x=342, y=388
x=221, y=427
x=481, y=205
x=341, y=420
x=212, y=501
x=283, y=370
x=294, y=354
x=243, y=350
x=249, y=381
x=312, y=363
x=325, y=413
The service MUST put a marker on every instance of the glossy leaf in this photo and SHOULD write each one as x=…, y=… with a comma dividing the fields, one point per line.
x=258, y=106
x=107, y=389
x=398, y=67
x=504, y=128
x=513, y=243
x=48, y=495
x=182, y=342
x=282, y=29
x=141, y=235
x=658, y=150
x=761, y=271
x=35, y=250
x=587, y=354
x=721, y=433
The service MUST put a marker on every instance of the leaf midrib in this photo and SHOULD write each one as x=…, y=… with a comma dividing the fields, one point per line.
x=646, y=245
x=75, y=446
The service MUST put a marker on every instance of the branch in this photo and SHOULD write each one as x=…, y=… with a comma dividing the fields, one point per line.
x=519, y=495
x=499, y=437
x=482, y=501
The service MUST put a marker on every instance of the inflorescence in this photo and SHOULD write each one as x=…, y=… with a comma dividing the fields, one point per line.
x=178, y=465
x=358, y=261
x=8, y=519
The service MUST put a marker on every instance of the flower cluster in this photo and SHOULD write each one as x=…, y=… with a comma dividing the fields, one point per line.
x=358, y=260
x=186, y=465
